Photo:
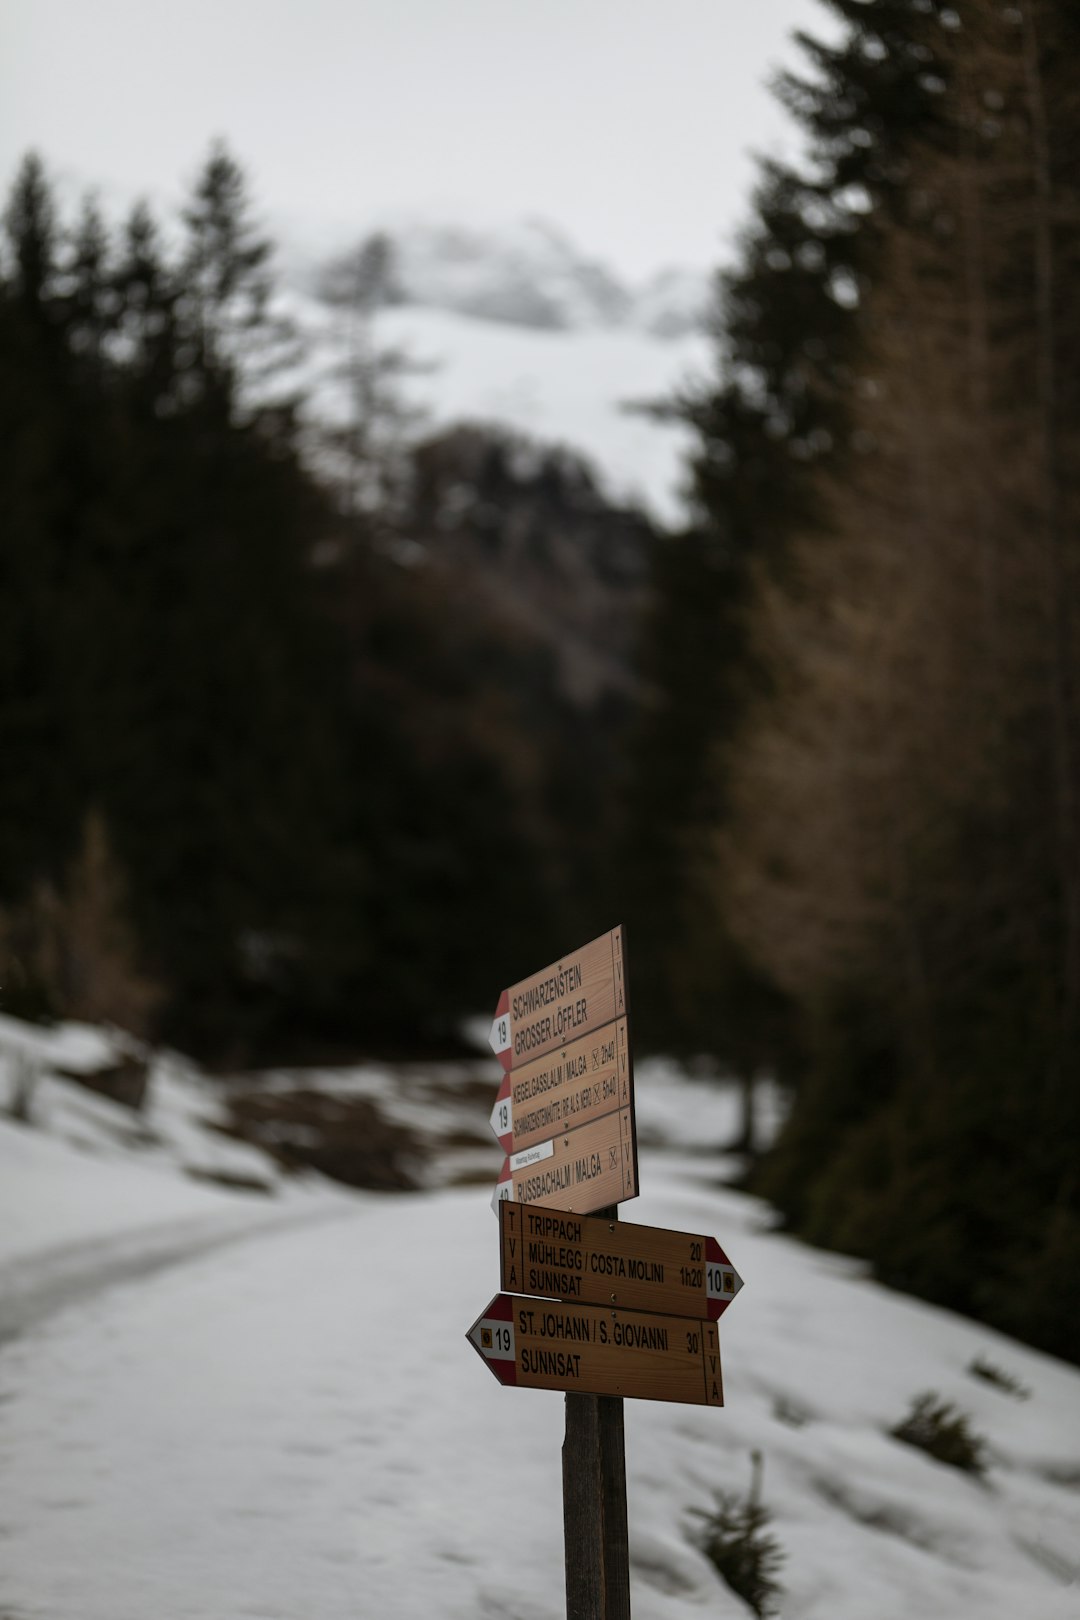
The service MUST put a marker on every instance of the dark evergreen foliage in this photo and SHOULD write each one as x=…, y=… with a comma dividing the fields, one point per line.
x=936, y=1427
x=340, y=787
x=735, y=1538
x=880, y=803
x=165, y=662
x=772, y=424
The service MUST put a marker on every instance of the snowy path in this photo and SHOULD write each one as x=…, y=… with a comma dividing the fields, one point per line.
x=296, y=1429
x=285, y=1429
x=219, y=1405
x=54, y=1279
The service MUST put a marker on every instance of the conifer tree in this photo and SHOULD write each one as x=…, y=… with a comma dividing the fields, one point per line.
x=89, y=307
x=31, y=231
x=237, y=342
x=34, y=813
x=163, y=656
x=774, y=418
x=900, y=849
x=147, y=293
x=368, y=448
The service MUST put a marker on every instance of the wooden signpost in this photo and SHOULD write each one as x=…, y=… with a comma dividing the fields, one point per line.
x=564, y=1113
x=593, y=1261
x=596, y=1350
x=591, y=1307
x=577, y=994
x=584, y=1170
x=568, y=1087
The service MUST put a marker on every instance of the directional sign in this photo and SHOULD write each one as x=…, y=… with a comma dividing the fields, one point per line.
x=602, y=1262
x=570, y=998
x=598, y=1350
x=567, y=1088
x=580, y=1170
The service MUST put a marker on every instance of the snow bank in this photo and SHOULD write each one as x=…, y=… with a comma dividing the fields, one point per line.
x=295, y=1426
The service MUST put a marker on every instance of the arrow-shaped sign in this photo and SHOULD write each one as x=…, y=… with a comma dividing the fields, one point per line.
x=579, y=1170
x=572, y=997
x=591, y=1260
x=567, y=1088
x=594, y=1350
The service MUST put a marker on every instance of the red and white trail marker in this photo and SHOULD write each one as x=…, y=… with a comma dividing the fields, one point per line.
x=567, y=1088
x=597, y=1350
x=590, y=1259
x=575, y=995
x=580, y=1170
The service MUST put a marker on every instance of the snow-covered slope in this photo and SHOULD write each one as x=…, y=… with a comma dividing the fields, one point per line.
x=515, y=327
x=527, y=273
x=294, y=1424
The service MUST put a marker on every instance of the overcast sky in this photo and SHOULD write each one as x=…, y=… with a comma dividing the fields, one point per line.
x=629, y=123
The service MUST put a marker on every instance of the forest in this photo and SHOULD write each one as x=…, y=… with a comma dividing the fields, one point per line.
x=314, y=735
x=266, y=767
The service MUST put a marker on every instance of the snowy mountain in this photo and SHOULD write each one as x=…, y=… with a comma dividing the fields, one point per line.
x=528, y=274
x=516, y=328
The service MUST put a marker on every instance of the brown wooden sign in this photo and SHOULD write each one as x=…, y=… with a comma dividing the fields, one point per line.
x=580, y=1170
x=591, y=1260
x=597, y=1350
x=575, y=995
x=565, y=1089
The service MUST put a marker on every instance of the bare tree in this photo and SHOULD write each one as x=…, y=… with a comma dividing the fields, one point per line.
x=367, y=447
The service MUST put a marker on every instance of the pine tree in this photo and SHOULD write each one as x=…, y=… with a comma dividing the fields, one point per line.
x=147, y=294
x=368, y=448
x=238, y=345
x=901, y=853
x=89, y=305
x=776, y=418
x=34, y=810
x=32, y=236
x=163, y=655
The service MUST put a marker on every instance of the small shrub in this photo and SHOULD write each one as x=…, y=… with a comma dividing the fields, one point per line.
x=790, y=1412
x=981, y=1368
x=936, y=1427
x=70, y=950
x=733, y=1538
x=24, y=1079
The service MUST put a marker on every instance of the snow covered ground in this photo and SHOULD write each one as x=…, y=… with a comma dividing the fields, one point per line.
x=224, y=1404
x=518, y=329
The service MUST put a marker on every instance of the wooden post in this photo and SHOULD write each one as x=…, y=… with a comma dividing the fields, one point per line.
x=594, y=1504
